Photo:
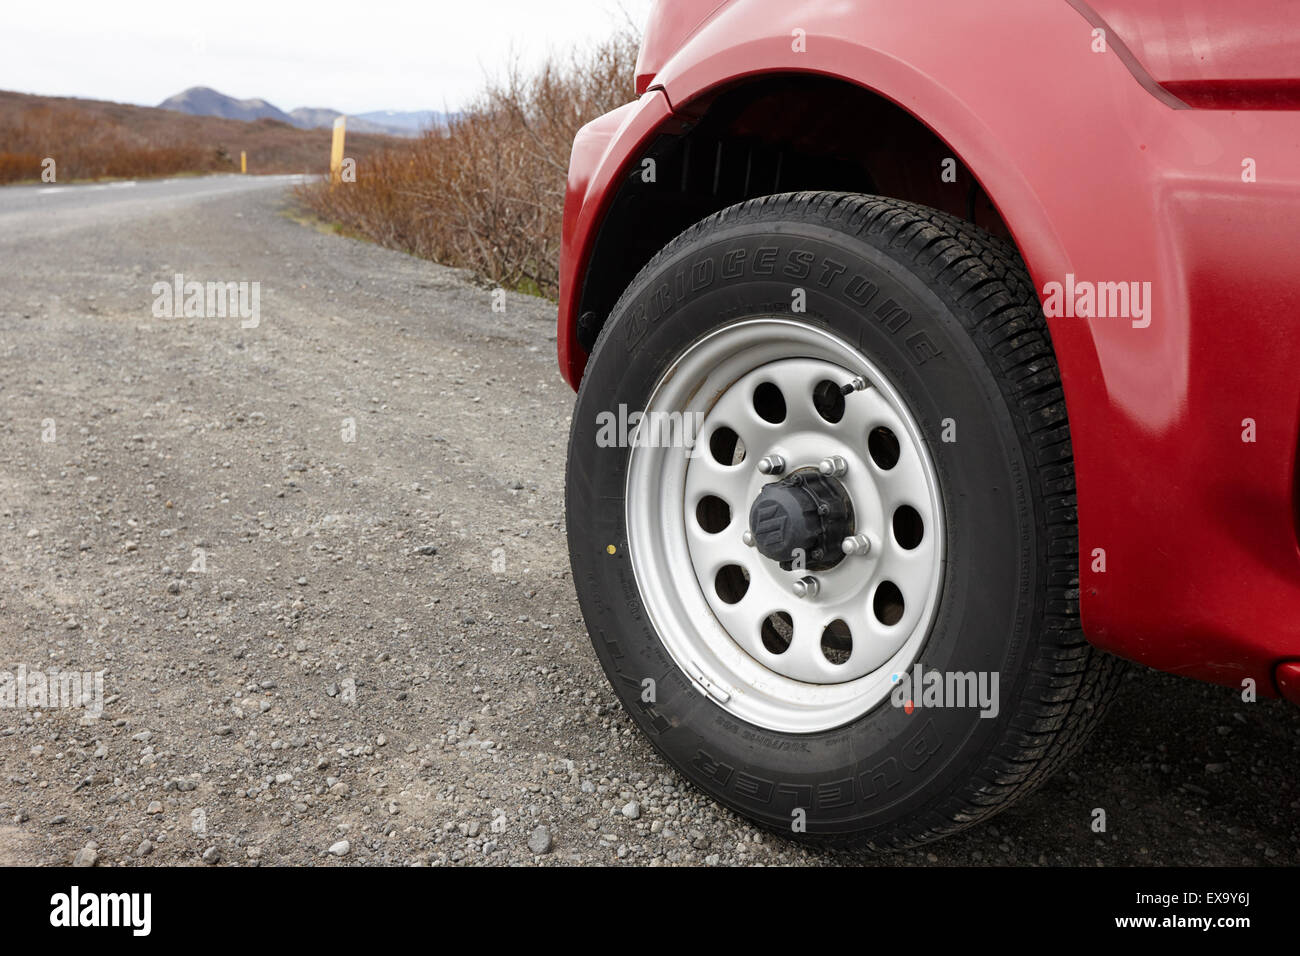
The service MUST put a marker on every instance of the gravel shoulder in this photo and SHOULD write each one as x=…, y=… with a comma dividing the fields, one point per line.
x=321, y=565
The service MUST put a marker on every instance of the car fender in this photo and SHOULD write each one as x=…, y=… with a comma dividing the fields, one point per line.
x=1101, y=179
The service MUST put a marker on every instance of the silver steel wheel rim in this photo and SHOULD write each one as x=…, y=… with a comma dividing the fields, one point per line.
x=719, y=643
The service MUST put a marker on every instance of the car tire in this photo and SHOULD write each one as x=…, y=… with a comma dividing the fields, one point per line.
x=920, y=321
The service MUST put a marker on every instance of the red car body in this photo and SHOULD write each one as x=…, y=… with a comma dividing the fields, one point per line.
x=1171, y=155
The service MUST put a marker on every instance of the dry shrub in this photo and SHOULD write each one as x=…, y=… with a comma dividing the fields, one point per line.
x=16, y=166
x=87, y=146
x=487, y=193
x=92, y=139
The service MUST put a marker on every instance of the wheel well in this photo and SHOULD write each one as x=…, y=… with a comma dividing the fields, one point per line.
x=776, y=134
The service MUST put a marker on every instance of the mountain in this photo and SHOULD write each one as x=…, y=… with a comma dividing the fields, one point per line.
x=95, y=139
x=415, y=121
x=309, y=117
x=202, y=101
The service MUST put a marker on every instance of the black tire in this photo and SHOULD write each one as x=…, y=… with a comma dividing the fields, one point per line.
x=975, y=349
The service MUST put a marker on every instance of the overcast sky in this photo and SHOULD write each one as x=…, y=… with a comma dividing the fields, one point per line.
x=354, y=56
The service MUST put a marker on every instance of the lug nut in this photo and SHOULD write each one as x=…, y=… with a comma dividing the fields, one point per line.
x=748, y=538
x=832, y=467
x=858, y=544
x=771, y=465
x=807, y=587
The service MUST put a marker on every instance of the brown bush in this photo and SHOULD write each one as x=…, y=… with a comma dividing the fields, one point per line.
x=16, y=166
x=488, y=192
x=91, y=139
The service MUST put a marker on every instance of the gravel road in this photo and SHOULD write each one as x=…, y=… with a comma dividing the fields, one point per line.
x=321, y=565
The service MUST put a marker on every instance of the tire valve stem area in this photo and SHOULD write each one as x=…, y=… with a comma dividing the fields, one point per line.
x=856, y=385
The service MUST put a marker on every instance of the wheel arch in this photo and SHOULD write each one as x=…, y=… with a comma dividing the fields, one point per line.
x=940, y=95
x=710, y=153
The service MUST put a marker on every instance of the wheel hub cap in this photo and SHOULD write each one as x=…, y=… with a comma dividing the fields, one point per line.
x=801, y=520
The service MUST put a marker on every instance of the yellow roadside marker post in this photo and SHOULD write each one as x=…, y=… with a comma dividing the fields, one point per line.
x=336, y=150
x=243, y=161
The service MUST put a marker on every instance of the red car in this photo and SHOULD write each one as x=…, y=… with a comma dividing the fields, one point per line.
x=927, y=356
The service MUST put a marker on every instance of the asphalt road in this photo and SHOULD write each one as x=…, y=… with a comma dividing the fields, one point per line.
x=29, y=211
x=321, y=565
